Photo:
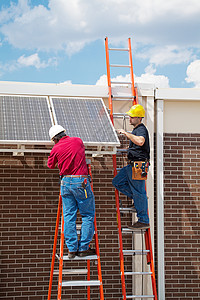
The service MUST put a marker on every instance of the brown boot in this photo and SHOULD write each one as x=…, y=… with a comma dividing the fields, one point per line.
x=138, y=226
x=87, y=252
x=71, y=255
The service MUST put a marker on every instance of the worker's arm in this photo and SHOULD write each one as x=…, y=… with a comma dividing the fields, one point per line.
x=52, y=160
x=138, y=140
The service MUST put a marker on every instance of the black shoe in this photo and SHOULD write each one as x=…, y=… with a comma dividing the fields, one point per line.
x=71, y=255
x=138, y=226
x=87, y=252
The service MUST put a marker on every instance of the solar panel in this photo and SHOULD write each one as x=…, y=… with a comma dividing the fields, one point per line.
x=24, y=118
x=86, y=118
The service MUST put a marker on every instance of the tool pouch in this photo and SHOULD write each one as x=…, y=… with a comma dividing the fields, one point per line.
x=139, y=170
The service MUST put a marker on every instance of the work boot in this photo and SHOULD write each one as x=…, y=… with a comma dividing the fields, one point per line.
x=87, y=252
x=71, y=255
x=138, y=226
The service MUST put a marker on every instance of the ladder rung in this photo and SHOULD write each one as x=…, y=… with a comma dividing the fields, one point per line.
x=123, y=97
x=118, y=49
x=127, y=209
x=71, y=271
x=120, y=66
x=89, y=257
x=81, y=283
x=127, y=230
x=135, y=252
x=137, y=273
x=121, y=82
x=122, y=150
x=118, y=115
x=139, y=296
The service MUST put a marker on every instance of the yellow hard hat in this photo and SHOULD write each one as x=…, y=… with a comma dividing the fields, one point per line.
x=136, y=111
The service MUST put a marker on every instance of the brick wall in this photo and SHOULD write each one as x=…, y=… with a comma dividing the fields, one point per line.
x=28, y=207
x=182, y=215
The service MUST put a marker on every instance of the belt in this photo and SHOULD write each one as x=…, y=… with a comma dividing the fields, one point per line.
x=131, y=162
x=75, y=176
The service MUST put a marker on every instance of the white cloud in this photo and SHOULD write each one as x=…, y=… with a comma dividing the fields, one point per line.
x=149, y=76
x=164, y=32
x=193, y=73
x=102, y=80
x=161, y=56
x=70, y=24
x=13, y=11
x=26, y=61
x=67, y=82
x=34, y=61
x=159, y=81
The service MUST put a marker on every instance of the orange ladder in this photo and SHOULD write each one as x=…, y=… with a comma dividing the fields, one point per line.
x=62, y=257
x=133, y=97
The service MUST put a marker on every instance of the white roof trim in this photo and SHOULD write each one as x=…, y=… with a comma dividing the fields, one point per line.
x=70, y=90
x=180, y=94
x=52, y=89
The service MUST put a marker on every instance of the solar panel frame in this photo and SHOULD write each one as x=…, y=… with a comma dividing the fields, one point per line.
x=91, y=114
x=20, y=115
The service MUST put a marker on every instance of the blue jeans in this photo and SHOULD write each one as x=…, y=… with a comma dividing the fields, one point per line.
x=74, y=198
x=134, y=189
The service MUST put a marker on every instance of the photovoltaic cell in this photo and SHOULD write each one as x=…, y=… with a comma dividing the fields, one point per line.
x=85, y=118
x=24, y=118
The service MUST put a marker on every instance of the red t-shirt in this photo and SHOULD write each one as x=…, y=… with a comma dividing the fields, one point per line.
x=69, y=153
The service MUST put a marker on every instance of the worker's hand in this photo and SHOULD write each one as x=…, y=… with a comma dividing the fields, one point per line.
x=121, y=131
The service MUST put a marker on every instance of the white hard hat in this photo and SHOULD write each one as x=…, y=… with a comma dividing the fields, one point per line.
x=54, y=130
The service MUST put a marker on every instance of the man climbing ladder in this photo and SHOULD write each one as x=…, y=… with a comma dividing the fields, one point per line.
x=131, y=178
x=76, y=193
x=69, y=153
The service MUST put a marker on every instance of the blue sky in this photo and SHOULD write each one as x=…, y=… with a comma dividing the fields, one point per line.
x=60, y=41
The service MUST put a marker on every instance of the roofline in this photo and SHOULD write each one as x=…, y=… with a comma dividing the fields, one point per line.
x=52, y=89
x=69, y=90
x=180, y=94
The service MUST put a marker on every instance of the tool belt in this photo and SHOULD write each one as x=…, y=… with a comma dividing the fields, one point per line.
x=139, y=169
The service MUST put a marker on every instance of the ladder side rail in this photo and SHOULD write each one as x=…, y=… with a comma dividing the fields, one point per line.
x=131, y=71
x=54, y=246
x=61, y=259
x=109, y=80
x=88, y=279
x=98, y=260
x=150, y=261
x=97, y=244
x=153, y=277
x=136, y=95
x=147, y=243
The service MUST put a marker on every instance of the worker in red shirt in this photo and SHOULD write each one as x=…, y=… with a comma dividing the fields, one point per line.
x=69, y=154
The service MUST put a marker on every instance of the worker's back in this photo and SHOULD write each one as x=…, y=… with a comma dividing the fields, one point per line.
x=69, y=153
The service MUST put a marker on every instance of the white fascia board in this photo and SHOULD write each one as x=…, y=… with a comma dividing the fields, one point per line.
x=52, y=89
x=178, y=94
x=69, y=90
x=145, y=89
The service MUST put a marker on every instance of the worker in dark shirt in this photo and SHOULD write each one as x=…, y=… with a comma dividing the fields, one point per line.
x=69, y=154
x=131, y=179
